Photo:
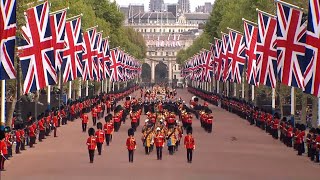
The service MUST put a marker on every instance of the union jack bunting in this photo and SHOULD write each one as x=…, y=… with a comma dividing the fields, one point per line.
x=312, y=73
x=37, y=58
x=89, y=59
x=218, y=60
x=208, y=67
x=225, y=57
x=266, y=50
x=291, y=40
x=106, y=58
x=99, y=59
x=115, y=65
x=250, y=38
x=7, y=38
x=58, y=28
x=72, y=54
x=236, y=56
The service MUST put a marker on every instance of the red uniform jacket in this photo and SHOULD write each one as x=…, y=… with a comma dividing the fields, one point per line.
x=116, y=119
x=31, y=131
x=3, y=147
x=134, y=119
x=131, y=143
x=300, y=137
x=7, y=139
x=18, y=136
x=99, y=136
x=290, y=132
x=21, y=133
x=41, y=125
x=108, y=128
x=275, y=124
x=55, y=121
x=159, y=140
x=94, y=112
x=91, y=142
x=189, y=142
x=84, y=118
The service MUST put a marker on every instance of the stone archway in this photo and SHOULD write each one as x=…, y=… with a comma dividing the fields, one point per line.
x=161, y=73
x=146, y=73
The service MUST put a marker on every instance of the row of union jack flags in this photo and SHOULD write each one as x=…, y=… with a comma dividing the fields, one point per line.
x=51, y=43
x=284, y=47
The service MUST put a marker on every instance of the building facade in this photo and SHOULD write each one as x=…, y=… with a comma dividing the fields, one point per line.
x=156, y=5
x=184, y=6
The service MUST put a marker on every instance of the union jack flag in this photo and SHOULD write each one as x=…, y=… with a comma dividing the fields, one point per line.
x=90, y=69
x=225, y=57
x=250, y=37
x=266, y=50
x=115, y=65
x=218, y=60
x=106, y=58
x=58, y=29
x=312, y=73
x=208, y=66
x=291, y=40
x=237, y=56
x=99, y=59
x=72, y=54
x=37, y=58
x=7, y=38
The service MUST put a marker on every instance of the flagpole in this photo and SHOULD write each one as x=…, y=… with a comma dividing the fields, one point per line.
x=106, y=85
x=235, y=89
x=70, y=86
x=242, y=90
x=252, y=93
x=292, y=104
x=79, y=89
x=3, y=100
x=218, y=87
x=87, y=88
x=49, y=97
x=273, y=105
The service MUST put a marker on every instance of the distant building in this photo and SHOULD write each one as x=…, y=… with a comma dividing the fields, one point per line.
x=184, y=6
x=156, y=5
x=173, y=8
x=206, y=8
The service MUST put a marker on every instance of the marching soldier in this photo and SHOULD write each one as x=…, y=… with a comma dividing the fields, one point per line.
x=55, y=123
x=84, y=120
x=18, y=139
x=94, y=115
x=8, y=141
x=108, y=129
x=3, y=150
x=91, y=143
x=159, y=141
x=23, y=139
x=99, y=137
x=131, y=144
x=189, y=144
x=32, y=135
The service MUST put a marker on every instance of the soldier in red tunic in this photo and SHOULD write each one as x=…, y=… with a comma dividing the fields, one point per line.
x=189, y=144
x=18, y=138
x=108, y=129
x=9, y=141
x=94, y=115
x=159, y=141
x=92, y=144
x=55, y=123
x=131, y=144
x=84, y=118
x=41, y=129
x=3, y=150
x=99, y=137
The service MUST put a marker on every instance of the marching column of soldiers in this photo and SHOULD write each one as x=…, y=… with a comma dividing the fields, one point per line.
x=291, y=135
x=18, y=136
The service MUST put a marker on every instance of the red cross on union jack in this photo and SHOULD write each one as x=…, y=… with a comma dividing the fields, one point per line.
x=7, y=38
x=37, y=60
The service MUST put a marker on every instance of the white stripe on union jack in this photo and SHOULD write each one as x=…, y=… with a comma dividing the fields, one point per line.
x=266, y=50
x=237, y=56
x=7, y=38
x=58, y=29
x=99, y=59
x=106, y=58
x=72, y=54
x=218, y=60
x=291, y=39
x=312, y=73
x=250, y=37
x=115, y=65
x=37, y=58
x=208, y=66
x=225, y=56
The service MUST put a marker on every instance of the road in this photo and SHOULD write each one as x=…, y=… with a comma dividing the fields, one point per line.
x=253, y=155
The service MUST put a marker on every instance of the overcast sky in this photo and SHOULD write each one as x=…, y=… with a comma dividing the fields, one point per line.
x=194, y=3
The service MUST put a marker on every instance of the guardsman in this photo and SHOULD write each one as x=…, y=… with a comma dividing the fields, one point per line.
x=317, y=144
x=8, y=141
x=63, y=116
x=171, y=140
x=18, y=139
x=23, y=139
x=41, y=128
x=108, y=129
x=159, y=141
x=146, y=140
x=275, y=126
x=99, y=137
x=3, y=150
x=94, y=115
x=131, y=144
x=91, y=143
x=308, y=140
x=300, y=140
x=209, y=123
x=55, y=123
x=189, y=144
x=84, y=121
x=134, y=120
x=32, y=135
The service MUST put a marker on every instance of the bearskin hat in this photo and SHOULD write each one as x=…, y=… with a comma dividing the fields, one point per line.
x=99, y=125
x=7, y=129
x=91, y=132
x=108, y=118
x=2, y=134
x=128, y=98
x=189, y=130
x=303, y=127
x=318, y=131
x=130, y=132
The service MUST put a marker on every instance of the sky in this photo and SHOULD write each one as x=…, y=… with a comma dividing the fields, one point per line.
x=194, y=3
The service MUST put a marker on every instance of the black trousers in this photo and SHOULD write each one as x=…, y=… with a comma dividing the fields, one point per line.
x=189, y=154
x=41, y=134
x=108, y=137
x=91, y=155
x=55, y=132
x=147, y=149
x=18, y=144
x=116, y=126
x=84, y=127
x=130, y=152
x=2, y=160
x=159, y=153
x=134, y=125
x=300, y=148
x=9, y=151
x=32, y=141
x=23, y=147
x=171, y=150
x=94, y=120
x=99, y=147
